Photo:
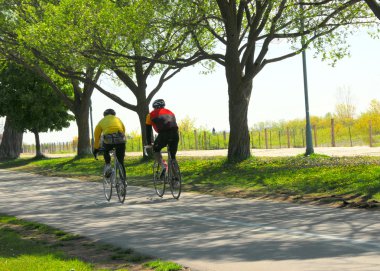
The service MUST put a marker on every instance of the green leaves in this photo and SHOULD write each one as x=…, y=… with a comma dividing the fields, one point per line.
x=29, y=101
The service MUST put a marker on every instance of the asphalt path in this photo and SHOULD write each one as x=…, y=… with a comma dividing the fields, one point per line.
x=202, y=232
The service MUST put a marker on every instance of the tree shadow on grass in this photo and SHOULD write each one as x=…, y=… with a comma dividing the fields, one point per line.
x=19, y=162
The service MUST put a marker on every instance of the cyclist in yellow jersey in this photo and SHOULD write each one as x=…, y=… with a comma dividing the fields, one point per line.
x=113, y=131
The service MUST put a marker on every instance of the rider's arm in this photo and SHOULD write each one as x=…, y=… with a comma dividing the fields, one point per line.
x=97, y=133
x=148, y=126
x=149, y=134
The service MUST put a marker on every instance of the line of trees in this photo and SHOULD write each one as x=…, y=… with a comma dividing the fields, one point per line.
x=342, y=128
x=79, y=41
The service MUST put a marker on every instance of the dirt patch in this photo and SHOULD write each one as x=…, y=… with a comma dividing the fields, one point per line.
x=336, y=201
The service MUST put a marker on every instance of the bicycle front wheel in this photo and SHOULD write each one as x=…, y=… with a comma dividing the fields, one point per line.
x=175, y=180
x=158, y=180
x=120, y=183
x=107, y=186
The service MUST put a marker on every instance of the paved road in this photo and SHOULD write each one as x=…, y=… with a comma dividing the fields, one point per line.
x=203, y=232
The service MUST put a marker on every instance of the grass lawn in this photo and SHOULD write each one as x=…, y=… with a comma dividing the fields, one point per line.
x=340, y=181
x=33, y=246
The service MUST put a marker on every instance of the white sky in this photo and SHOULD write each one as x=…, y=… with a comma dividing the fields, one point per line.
x=277, y=94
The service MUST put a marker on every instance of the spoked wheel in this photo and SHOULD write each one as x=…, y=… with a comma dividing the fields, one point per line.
x=175, y=180
x=159, y=181
x=107, y=186
x=120, y=183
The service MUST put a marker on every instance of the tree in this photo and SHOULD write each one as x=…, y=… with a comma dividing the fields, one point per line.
x=344, y=108
x=30, y=102
x=11, y=143
x=247, y=29
x=374, y=5
x=133, y=41
x=17, y=21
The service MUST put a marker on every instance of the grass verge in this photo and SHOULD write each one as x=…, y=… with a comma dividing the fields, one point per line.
x=26, y=245
x=338, y=181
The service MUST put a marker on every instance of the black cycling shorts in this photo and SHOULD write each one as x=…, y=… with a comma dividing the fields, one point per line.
x=170, y=138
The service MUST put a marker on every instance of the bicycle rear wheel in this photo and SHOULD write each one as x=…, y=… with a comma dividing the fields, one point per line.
x=120, y=183
x=158, y=181
x=107, y=186
x=175, y=180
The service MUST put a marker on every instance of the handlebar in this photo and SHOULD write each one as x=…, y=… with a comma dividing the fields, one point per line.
x=146, y=147
x=96, y=155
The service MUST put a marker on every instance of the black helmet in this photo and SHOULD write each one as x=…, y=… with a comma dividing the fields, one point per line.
x=159, y=103
x=109, y=112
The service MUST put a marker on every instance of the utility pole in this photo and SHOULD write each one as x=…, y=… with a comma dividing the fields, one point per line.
x=309, y=138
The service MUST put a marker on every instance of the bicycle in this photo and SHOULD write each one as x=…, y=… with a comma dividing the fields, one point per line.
x=114, y=179
x=172, y=176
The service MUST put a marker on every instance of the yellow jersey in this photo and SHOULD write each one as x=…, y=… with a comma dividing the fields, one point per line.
x=108, y=125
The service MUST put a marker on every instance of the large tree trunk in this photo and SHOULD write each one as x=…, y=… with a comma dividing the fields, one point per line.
x=239, y=142
x=38, y=144
x=84, y=142
x=142, y=111
x=11, y=144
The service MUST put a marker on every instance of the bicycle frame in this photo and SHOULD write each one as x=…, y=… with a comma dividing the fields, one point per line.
x=172, y=176
x=116, y=180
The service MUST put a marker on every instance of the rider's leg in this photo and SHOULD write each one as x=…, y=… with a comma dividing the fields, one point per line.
x=173, y=143
x=120, y=153
x=160, y=143
x=107, y=158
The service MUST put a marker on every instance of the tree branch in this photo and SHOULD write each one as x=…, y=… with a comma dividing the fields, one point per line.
x=374, y=5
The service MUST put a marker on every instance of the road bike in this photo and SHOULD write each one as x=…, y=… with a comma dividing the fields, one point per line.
x=114, y=178
x=172, y=176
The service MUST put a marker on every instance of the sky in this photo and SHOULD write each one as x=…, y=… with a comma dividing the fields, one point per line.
x=278, y=92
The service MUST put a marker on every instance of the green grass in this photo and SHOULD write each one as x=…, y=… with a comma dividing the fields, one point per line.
x=17, y=253
x=300, y=176
x=26, y=245
x=159, y=265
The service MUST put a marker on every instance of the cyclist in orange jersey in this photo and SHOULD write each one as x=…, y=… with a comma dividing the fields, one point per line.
x=164, y=123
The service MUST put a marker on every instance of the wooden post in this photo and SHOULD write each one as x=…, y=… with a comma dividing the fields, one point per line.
x=270, y=139
x=196, y=139
x=183, y=141
x=315, y=135
x=225, y=139
x=288, y=135
x=370, y=134
x=279, y=138
x=349, y=131
x=332, y=133
x=205, y=140
x=259, y=140
x=266, y=138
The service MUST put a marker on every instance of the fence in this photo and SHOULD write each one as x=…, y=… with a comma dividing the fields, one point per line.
x=335, y=135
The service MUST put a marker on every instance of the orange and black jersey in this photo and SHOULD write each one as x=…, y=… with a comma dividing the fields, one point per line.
x=162, y=120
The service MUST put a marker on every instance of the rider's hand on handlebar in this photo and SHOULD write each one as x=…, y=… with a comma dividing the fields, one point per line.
x=146, y=147
x=95, y=152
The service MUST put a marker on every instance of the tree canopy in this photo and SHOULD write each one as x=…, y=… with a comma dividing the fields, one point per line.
x=30, y=102
x=246, y=31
